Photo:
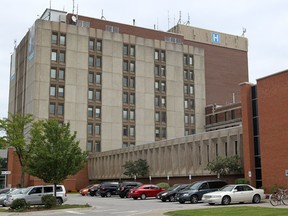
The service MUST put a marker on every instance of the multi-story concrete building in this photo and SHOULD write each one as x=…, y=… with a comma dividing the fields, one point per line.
x=123, y=85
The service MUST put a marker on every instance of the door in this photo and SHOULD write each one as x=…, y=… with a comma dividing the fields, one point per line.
x=34, y=196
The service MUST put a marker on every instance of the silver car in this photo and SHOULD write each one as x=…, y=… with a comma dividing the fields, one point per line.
x=33, y=195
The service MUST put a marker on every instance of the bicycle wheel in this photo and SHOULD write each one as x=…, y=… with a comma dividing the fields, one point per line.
x=284, y=198
x=273, y=198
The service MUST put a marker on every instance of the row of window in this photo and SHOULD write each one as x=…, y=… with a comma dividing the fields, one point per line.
x=56, y=91
x=94, y=129
x=95, y=61
x=160, y=55
x=58, y=39
x=94, y=77
x=160, y=70
x=188, y=59
x=129, y=66
x=160, y=116
x=129, y=50
x=160, y=86
x=189, y=119
x=93, y=146
x=56, y=109
x=58, y=74
x=160, y=132
x=188, y=74
x=188, y=103
x=94, y=94
x=128, y=98
x=188, y=89
x=95, y=45
x=129, y=82
x=129, y=130
x=58, y=56
x=94, y=112
x=129, y=114
x=127, y=144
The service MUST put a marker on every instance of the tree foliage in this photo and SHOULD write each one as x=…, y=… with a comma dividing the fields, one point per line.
x=224, y=166
x=15, y=129
x=138, y=168
x=54, y=152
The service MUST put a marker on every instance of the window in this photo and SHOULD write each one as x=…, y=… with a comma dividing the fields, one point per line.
x=163, y=71
x=125, y=81
x=191, y=89
x=91, y=44
x=125, y=97
x=132, y=82
x=132, y=66
x=190, y=60
x=99, y=45
x=61, y=74
x=185, y=89
x=60, y=109
x=163, y=58
x=125, y=130
x=89, y=146
x=163, y=101
x=97, y=129
x=186, y=119
x=98, y=95
x=52, y=108
x=192, y=119
x=157, y=132
x=61, y=92
x=90, y=94
x=132, y=50
x=185, y=74
x=53, y=91
x=98, y=61
x=157, y=116
x=124, y=145
x=132, y=131
x=62, y=57
x=53, y=73
x=62, y=40
x=125, y=114
x=98, y=112
x=191, y=76
x=163, y=86
x=125, y=50
x=91, y=77
x=90, y=111
x=163, y=130
x=156, y=70
x=98, y=78
x=132, y=98
x=91, y=61
x=232, y=114
x=156, y=55
x=157, y=85
x=54, y=55
x=132, y=115
x=97, y=146
x=125, y=65
x=186, y=104
x=90, y=129
x=163, y=117
x=54, y=38
x=157, y=101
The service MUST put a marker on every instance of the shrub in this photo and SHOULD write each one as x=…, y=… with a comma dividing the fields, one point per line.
x=241, y=181
x=19, y=205
x=49, y=201
x=163, y=185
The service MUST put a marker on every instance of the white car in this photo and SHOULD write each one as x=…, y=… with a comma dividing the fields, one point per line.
x=236, y=193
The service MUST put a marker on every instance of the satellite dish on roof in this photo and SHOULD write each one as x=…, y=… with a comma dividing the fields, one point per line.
x=74, y=19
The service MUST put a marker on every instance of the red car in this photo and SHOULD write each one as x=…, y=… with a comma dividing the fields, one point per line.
x=85, y=191
x=146, y=190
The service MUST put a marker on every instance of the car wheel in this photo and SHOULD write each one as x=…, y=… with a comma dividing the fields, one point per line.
x=143, y=196
x=108, y=194
x=135, y=198
x=226, y=200
x=211, y=203
x=59, y=201
x=256, y=199
x=182, y=202
x=163, y=199
x=194, y=199
x=102, y=195
x=121, y=196
x=172, y=198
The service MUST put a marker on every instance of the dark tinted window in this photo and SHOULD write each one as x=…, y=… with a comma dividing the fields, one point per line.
x=204, y=186
x=36, y=190
x=216, y=184
x=48, y=189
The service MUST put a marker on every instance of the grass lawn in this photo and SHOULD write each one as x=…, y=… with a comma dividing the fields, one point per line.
x=228, y=211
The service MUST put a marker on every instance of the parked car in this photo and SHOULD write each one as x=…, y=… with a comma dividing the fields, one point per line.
x=94, y=191
x=234, y=194
x=195, y=192
x=107, y=189
x=124, y=188
x=33, y=195
x=146, y=190
x=171, y=192
x=85, y=191
x=3, y=196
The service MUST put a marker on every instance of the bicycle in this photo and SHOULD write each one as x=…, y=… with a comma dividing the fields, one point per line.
x=278, y=197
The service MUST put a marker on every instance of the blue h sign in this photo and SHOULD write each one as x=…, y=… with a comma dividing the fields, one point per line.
x=215, y=38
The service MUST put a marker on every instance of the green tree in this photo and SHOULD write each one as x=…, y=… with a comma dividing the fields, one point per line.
x=54, y=152
x=224, y=166
x=138, y=168
x=15, y=129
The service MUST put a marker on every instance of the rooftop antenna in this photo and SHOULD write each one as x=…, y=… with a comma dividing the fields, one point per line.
x=15, y=44
x=73, y=7
x=102, y=16
x=243, y=32
x=168, y=20
x=49, y=14
x=188, y=22
x=179, y=21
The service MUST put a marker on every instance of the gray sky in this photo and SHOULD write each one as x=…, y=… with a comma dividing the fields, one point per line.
x=266, y=24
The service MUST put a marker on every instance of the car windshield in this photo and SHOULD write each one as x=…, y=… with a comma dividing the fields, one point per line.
x=194, y=186
x=227, y=188
x=174, y=187
x=18, y=191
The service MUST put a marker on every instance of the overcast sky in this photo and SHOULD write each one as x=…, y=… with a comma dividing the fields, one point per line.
x=266, y=24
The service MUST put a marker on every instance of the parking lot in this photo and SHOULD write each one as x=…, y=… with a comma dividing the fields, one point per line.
x=115, y=206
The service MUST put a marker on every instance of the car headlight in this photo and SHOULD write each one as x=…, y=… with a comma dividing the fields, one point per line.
x=164, y=194
x=186, y=194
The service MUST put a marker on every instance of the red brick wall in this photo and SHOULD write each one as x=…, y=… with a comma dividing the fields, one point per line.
x=273, y=128
x=248, y=144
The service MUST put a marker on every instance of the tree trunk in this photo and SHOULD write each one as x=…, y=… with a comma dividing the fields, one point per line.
x=54, y=189
x=22, y=180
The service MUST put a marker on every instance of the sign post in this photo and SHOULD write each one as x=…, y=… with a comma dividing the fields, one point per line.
x=5, y=173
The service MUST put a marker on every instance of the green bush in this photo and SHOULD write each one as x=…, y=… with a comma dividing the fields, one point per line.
x=19, y=205
x=163, y=185
x=49, y=201
x=241, y=181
